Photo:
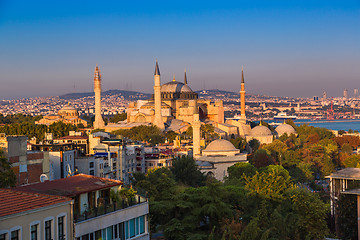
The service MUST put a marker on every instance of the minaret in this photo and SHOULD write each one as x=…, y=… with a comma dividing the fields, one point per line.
x=196, y=131
x=185, y=78
x=157, y=98
x=242, y=96
x=99, y=122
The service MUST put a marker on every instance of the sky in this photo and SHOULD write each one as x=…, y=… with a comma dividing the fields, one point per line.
x=288, y=48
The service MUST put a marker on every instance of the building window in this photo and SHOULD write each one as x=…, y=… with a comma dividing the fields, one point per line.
x=91, y=165
x=3, y=236
x=132, y=227
x=142, y=224
x=15, y=235
x=48, y=230
x=61, y=232
x=34, y=231
x=92, y=172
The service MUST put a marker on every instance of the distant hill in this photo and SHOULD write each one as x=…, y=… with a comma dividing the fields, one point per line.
x=216, y=93
x=128, y=95
x=133, y=95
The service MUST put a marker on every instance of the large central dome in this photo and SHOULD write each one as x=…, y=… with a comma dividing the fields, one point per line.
x=175, y=87
x=177, y=90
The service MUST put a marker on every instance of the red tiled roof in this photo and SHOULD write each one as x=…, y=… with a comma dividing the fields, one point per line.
x=12, y=201
x=73, y=138
x=71, y=186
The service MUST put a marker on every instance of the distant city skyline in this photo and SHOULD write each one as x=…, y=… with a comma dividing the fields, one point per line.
x=288, y=48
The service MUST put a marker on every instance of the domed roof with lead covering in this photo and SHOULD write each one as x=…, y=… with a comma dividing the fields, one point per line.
x=285, y=128
x=260, y=131
x=68, y=108
x=220, y=145
x=175, y=86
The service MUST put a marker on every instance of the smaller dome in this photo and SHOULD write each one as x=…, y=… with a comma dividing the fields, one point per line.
x=284, y=128
x=260, y=131
x=220, y=145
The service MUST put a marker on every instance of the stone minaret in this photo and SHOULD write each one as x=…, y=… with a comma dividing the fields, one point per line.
x=242, y=96
x=99, y=122
x=196, y=131
x=157, y=98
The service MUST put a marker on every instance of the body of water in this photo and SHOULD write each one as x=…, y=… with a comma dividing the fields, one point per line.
x=333, y=125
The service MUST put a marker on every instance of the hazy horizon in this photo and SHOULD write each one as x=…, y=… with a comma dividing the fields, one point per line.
x=288, y=48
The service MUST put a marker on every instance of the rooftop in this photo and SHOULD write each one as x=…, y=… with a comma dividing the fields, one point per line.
x=73, y=138
x=346, y=173
x=71, y=186
x=12, y=201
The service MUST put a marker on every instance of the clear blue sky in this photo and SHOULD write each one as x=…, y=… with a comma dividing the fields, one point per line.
x=288, y=48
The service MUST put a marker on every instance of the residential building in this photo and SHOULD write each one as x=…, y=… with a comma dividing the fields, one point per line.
x=35, y=216
x=96, y=213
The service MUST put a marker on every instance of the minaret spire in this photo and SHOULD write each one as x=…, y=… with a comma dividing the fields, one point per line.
x=99, y=122
x=185, y=78
x=157, y=98
x=242, y=96
x=242, y=74
x=174, y=78
x=157, y=71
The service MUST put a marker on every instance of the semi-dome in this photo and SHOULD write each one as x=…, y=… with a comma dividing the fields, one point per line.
x=260, y=131
x=220, y=145
x=175, y=87
x=284, y=128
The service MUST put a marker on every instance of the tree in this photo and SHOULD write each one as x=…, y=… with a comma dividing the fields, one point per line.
x=352, y=162
x=270, y=183
x=118, y=117
x=239, y=171
x=311, y=213
x=347, y=216
x=151, y=134
x=170, y=135
x=262, y=158
x=7, y=176
x=254, y=144
x=186, y=172
x=158, y=183
x=239, y=143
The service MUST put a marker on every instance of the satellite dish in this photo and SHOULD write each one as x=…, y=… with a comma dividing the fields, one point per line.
x=43, y=178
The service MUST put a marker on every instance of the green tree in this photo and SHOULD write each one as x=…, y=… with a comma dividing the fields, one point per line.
x=353, y=161
x=270, y=183
x=239, y=171
x=347, y=216
x=311, y=212
x=158, y=183
x=239, y=143
x=7, y=176
x=118, y=117
x=151, y=134
x=346, y=148
x=186, y=172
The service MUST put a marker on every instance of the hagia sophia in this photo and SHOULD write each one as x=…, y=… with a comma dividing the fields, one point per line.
x=175, y=106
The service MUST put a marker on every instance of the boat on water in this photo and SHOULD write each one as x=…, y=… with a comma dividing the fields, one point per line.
x=282, y=116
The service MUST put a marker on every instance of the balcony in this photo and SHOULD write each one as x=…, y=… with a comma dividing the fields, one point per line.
x=108, y=208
